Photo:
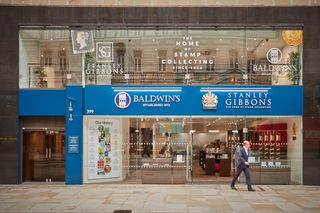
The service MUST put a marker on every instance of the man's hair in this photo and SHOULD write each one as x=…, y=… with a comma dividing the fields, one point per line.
x=246, y=142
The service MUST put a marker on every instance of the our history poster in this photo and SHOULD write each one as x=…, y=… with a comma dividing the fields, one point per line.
x=104, y=141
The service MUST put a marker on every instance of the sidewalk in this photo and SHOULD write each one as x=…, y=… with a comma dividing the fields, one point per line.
x=157, y=198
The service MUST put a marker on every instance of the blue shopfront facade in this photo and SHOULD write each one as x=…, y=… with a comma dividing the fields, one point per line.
x=76, y=101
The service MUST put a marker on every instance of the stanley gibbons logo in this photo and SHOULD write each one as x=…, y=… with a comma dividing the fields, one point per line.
x=209, y=101
x=122, y=100
x=104, y=52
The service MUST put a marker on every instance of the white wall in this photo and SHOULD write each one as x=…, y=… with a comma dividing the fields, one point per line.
x=202, y=139
x=28, y=53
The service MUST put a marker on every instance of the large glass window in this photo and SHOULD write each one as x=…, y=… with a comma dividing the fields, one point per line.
x=191, y=149
x=52, y=58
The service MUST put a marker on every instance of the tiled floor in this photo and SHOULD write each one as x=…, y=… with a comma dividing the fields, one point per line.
x=157, y=198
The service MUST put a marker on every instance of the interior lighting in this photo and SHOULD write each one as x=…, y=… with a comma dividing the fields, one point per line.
x=292, y=37
x=214, y=131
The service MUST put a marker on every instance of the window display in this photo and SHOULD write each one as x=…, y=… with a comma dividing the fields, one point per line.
x=159, y=56
x=155, y=151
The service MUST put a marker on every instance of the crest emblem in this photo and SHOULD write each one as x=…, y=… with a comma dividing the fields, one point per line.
x=209, y=101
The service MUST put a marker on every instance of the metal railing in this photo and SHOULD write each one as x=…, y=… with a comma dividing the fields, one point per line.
x=58, y=76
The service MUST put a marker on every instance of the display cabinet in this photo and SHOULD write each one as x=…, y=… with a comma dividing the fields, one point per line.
x=271, y=141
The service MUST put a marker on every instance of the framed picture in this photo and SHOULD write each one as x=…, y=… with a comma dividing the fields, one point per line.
x=82, y=41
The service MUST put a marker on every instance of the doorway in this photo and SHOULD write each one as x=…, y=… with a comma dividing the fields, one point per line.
x=43, y=155
x=212, y=150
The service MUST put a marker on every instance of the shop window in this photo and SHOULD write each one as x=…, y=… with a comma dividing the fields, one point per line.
x=231, y=54
x=62, y=59
x=210, y=57
x=162, y=56
x=46, y=58
x=137, y=60
x=120, y=50
x=233, y=59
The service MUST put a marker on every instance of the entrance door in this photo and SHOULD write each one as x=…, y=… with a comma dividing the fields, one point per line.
x=43, y=155
x=211, y=150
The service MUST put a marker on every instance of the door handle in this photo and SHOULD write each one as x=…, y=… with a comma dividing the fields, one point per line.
x=46, y=152
x=49, y=153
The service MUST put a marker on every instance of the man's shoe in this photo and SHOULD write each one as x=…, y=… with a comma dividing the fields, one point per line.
x=233, y=187
x=251, y=190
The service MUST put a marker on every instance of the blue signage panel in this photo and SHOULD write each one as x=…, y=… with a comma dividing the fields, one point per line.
x=41, y=102
x=73, y=144
x=193, y=100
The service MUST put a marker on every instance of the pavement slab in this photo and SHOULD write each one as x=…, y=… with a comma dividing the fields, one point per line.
x=187, y=198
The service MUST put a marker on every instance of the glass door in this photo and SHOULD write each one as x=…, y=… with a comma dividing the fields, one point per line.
x=43, y=155
x=55, y=142
x=159, y=150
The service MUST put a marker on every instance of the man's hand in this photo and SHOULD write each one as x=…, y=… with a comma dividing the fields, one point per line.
x=246, y=163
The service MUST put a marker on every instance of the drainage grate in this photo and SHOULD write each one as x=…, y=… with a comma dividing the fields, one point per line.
x=122, y=211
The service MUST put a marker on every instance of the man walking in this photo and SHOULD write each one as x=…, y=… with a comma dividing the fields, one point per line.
x=243, y=165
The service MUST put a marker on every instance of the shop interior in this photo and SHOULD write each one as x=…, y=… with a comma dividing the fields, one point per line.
x=203, y=149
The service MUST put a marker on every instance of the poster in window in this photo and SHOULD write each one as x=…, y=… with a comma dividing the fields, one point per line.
x=103, y=148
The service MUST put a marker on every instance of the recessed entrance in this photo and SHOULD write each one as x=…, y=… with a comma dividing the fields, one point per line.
x=43, y=155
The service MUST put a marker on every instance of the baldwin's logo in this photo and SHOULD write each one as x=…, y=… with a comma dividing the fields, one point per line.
x=209, y=101
x=274, y=55
x=122, y=100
